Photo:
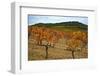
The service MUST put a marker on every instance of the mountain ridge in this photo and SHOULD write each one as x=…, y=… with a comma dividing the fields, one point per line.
x=70, y=22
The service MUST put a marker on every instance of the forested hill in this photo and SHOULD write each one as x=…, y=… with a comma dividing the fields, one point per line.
x=72, y=24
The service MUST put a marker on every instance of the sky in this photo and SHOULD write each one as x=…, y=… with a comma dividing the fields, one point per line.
x=33, y=19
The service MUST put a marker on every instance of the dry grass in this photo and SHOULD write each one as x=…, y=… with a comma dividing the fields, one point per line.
x=36, y=52
x=60, y=50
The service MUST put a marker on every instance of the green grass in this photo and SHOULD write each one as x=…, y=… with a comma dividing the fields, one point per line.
x=67, y=28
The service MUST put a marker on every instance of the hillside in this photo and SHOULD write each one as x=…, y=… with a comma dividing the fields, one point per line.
x=65, y=40
x=64, y=26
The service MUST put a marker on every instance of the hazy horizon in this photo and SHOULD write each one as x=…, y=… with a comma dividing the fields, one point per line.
x=32, y=19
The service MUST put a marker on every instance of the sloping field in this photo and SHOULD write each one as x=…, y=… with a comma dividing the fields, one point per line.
x=46, y=42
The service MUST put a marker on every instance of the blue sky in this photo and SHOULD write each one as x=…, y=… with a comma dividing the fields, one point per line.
x=32, y=19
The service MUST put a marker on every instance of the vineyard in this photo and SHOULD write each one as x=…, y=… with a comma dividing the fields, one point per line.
x=57, y=42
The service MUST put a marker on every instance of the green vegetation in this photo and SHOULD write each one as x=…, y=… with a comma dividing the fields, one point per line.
x=64, y=26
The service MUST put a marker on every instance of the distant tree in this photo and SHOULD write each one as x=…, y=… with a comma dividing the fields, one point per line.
x=29, y=31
